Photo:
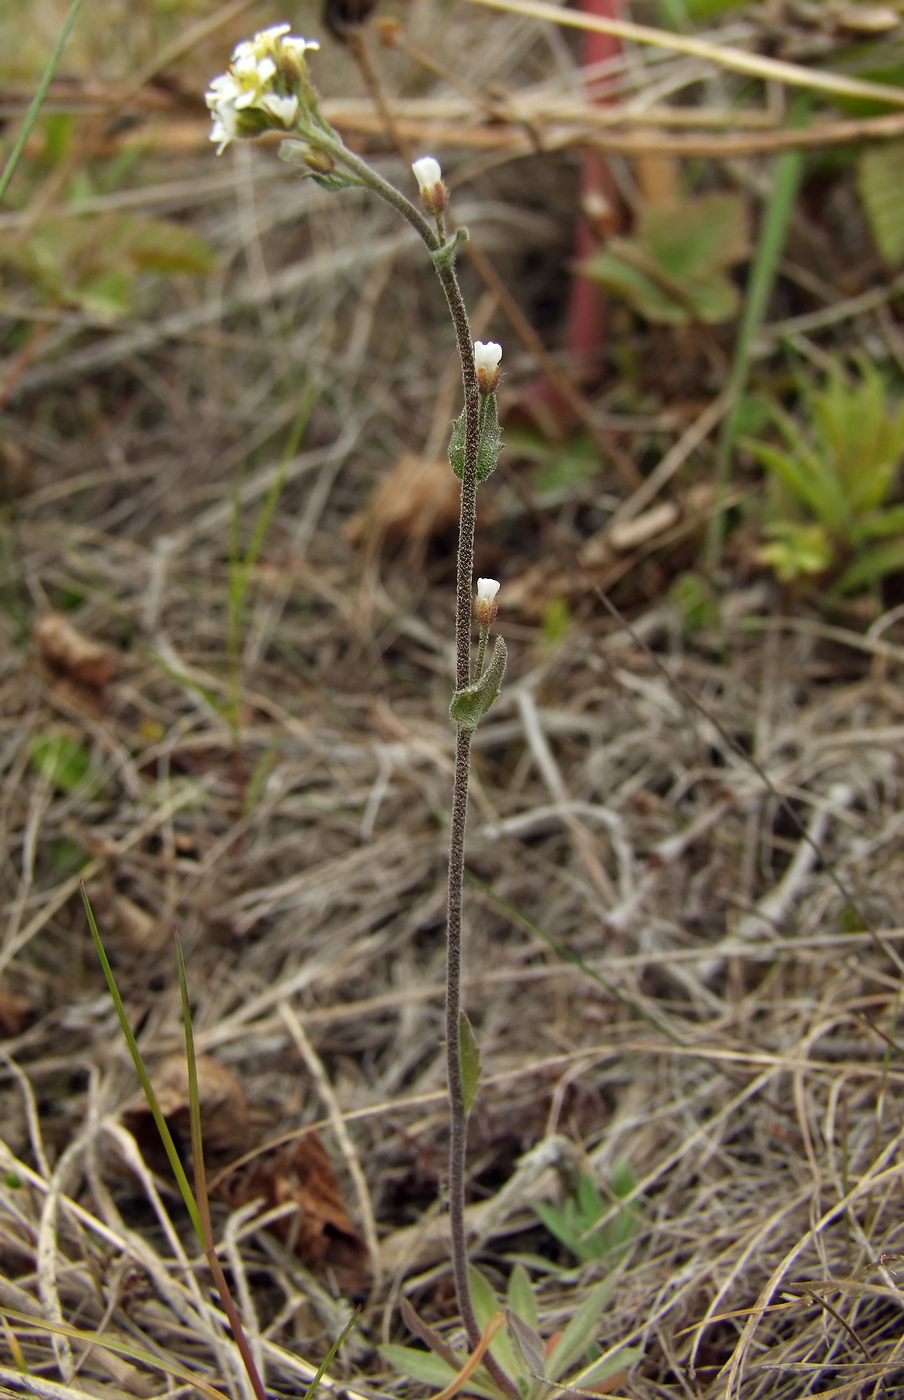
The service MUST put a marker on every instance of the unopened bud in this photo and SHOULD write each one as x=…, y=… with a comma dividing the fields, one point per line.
x=485, y=604
x=429, y=176
x=486, y=360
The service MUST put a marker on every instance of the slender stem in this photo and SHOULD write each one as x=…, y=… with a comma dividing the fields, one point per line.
x=332, y=144
x=458, y=1118
x=458, y=1122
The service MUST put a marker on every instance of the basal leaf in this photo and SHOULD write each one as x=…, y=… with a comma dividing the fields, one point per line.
x=427, y=1369
x=530, y=1344
x=521, y=1296
x=621, y=1360
x=581, y=1330
x=486, y=1306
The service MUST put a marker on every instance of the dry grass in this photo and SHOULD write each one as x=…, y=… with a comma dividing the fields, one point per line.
x=748, y=1067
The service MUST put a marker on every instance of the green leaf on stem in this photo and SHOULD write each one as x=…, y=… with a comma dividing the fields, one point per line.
x=470, y=704
x=444, y=257
x=469, y=1062
x=489, y=445
x=457, y=445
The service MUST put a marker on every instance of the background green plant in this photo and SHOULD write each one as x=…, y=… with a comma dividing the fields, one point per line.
x=834, y=514
x=575, y=1221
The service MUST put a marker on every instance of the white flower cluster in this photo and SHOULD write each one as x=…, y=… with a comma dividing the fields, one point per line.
x=254, y=94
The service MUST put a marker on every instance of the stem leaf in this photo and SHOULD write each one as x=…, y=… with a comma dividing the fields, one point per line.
x=469, y=1062
x=470, y=704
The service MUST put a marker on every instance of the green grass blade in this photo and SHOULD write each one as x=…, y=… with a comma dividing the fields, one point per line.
x=327, y=1360
x=147, y=1087
x=194, y=1103
x=203, y=1199
x=788, y=172
x=31, y=115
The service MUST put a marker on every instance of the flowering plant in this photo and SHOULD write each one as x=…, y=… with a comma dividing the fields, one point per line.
x=266, y=87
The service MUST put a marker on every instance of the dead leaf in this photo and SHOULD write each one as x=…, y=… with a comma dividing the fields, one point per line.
x=320, y=1231
x=631, y=534
x=15, y=1014
x=416, y=500
x=225, y=1119
x=70, y=654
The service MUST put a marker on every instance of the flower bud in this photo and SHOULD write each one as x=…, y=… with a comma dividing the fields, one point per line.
x=429, y=176
x=486, y=360
x=485, y=604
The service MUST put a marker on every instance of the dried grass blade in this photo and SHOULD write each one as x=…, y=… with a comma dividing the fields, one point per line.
x=723, y=55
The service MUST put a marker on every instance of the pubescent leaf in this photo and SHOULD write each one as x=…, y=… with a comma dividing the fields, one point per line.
x=429, y=1370
x=486, y=1307
x=469, y=705
x=529, y=1343
x=469, y=1062
x=521, y=1296
x=580, y=1330
x=621, y=1360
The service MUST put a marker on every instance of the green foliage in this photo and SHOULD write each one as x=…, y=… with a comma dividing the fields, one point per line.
x=62, y=759
x=693, y=599
x=674, y=270
x=94, y=264
x=836, y=478
x=880, y=177
x=575, y=1221
x=555, y=619
x=535, y=1366
x=796, y=549
x=564, y=466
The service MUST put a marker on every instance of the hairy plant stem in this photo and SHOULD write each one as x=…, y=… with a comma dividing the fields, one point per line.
x=458, y=1118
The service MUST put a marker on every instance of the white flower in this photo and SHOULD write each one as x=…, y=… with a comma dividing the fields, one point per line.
x=485, y=603
x=224, y=99
x=297, y=47
x=486, y=360
x=284, y=109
